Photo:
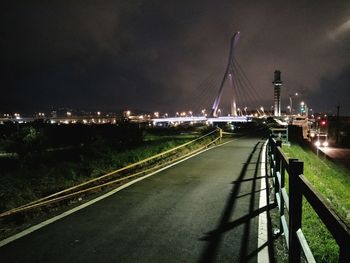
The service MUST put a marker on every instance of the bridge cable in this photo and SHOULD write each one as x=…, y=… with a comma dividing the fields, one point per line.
x=247, y=79
x=249, y=89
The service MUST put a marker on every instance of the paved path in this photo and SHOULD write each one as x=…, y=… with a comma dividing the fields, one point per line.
x=202, y=210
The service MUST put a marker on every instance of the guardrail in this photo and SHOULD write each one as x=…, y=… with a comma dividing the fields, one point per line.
x=109, y=178
x=300, y=187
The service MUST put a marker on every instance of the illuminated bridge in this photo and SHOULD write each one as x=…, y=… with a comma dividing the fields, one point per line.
x=207, y=120
x=242, y=92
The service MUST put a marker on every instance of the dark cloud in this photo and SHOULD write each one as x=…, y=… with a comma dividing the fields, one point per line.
x=332, y=92
x=167, y=55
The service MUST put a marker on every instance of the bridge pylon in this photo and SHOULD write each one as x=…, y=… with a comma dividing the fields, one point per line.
x=228, y=74
x=233, y=103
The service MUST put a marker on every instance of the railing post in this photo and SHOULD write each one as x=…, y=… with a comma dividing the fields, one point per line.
x=277, y=168
x=270, y=145
x=220, y=134
x=270, y=150
x=296, y=168
x=282, y=171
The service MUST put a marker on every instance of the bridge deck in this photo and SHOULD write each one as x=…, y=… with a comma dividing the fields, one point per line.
x=201, y=210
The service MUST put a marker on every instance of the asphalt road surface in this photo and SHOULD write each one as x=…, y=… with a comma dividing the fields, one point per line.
x=341, y=155
x=202, y=210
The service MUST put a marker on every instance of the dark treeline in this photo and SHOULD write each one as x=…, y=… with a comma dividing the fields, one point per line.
x=39, y=142
x=55, y=135
x=42, y=158
x=339, y=130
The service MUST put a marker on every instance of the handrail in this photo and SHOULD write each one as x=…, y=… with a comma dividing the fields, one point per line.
x=300, y=187
x=326, y=212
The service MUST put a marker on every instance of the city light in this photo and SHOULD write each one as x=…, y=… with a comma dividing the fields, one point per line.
x=17, y=116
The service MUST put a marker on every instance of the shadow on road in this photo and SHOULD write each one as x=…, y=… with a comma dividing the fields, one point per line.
x=214, y=238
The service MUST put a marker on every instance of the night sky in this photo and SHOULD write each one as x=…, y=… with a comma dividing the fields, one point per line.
x=158, y=55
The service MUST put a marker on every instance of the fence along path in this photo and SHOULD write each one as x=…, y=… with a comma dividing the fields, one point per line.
x=300, y=187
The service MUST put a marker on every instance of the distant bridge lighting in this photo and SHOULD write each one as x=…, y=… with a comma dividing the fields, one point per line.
x=201, y=119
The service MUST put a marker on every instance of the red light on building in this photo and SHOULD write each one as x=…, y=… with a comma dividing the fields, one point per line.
x=323, y=122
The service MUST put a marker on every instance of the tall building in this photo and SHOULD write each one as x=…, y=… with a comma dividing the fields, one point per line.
x=277, y=93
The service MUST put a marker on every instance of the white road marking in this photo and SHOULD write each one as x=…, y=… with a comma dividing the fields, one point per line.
x=263, y=254
x=73, y=210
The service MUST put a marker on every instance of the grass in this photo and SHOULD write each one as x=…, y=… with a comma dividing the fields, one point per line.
x=333, y=182
x=20, y=185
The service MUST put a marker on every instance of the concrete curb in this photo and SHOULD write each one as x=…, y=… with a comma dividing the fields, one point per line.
x=263, y=254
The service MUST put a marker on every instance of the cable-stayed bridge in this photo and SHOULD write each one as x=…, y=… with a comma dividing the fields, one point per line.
x=238, y=88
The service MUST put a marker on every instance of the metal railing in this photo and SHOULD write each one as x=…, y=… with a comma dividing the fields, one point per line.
x=300, y=187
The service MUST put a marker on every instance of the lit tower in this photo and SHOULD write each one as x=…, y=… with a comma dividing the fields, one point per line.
x=277, y=93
